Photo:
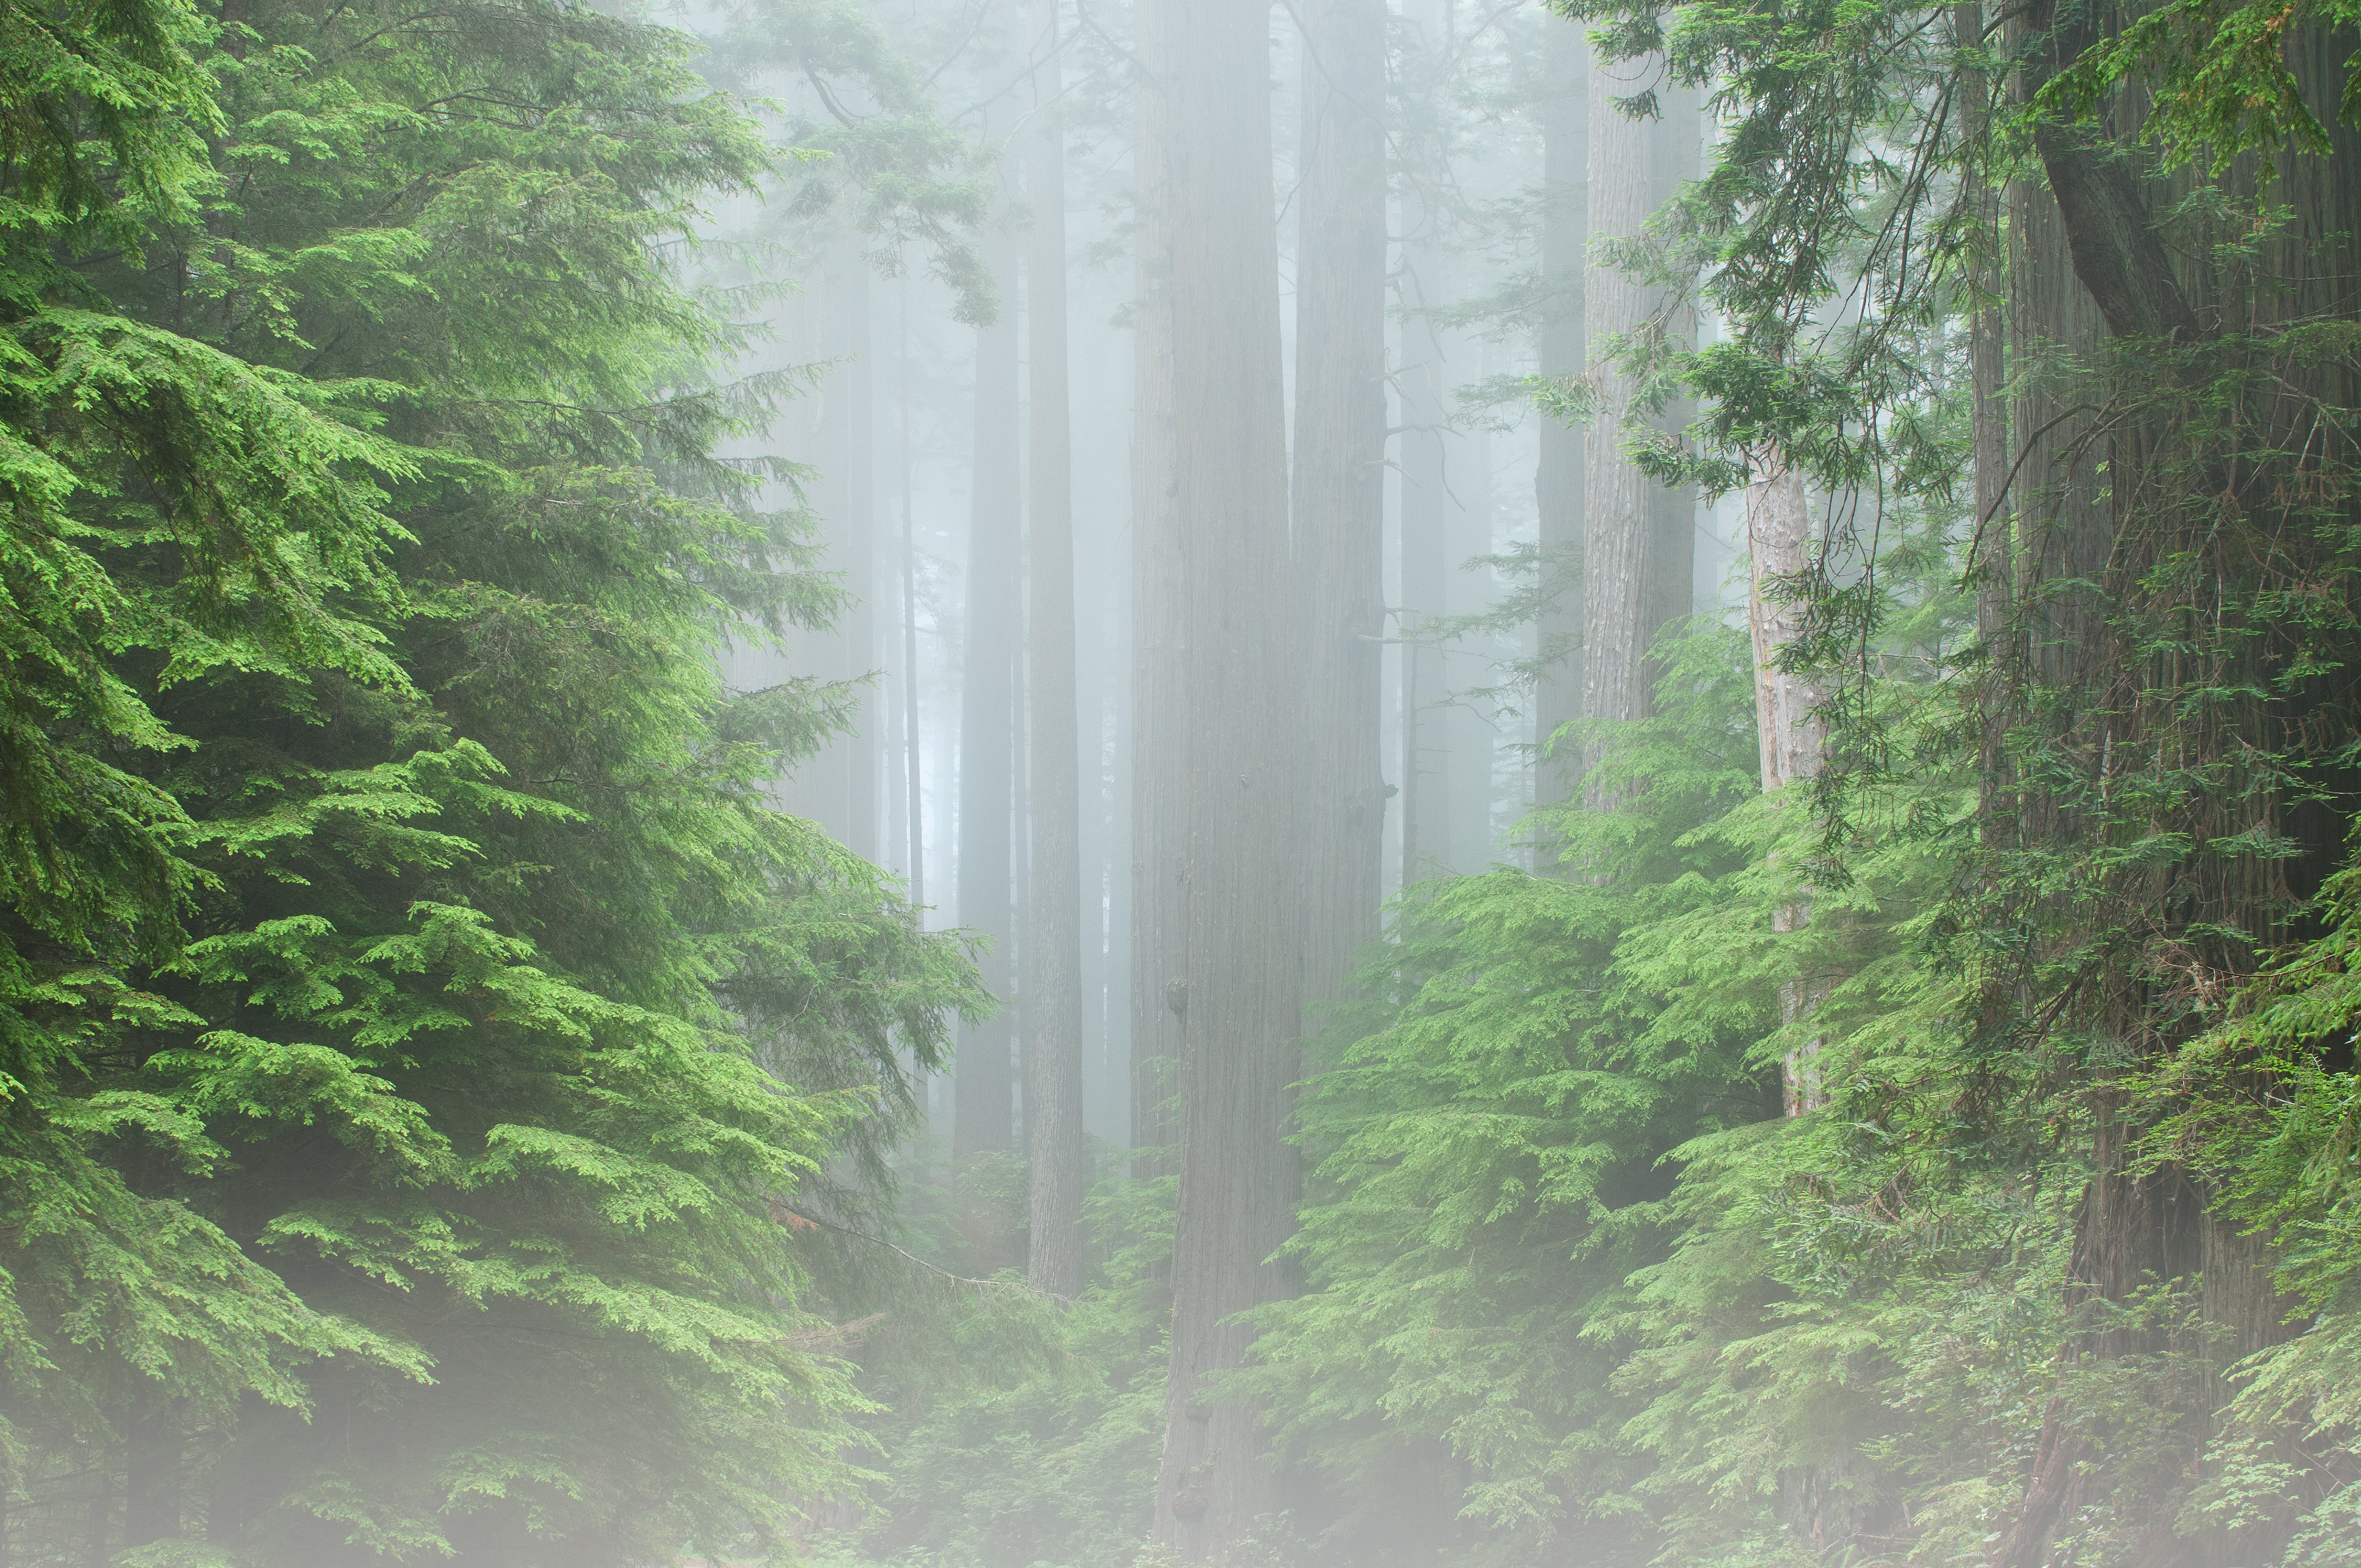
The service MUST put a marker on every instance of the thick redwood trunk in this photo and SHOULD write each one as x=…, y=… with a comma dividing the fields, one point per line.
x=1340, y=436
x=1238, y=997
x=1056, y=1152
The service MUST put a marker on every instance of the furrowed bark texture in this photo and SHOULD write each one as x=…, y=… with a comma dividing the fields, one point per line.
x=1559, y=480
x=1340, y=450
x=1159, y=664
x=983, y=1105
x=1988, y=372
x=2089, y=262
x=1240, y=996
x=1055, y=1149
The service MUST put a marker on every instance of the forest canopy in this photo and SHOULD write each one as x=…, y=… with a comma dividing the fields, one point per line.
x=1121, y=783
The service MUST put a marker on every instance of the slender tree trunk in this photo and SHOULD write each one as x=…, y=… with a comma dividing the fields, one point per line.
x=1559, y=479
x=1672, y=552
x=1240, y=995
x=857, y=386
x=1619, y=523
x=1468, y=731
x=914, y=785
x=983, y=1119
x=1160, y=653
x=1989, y=548
x=1425, y=558
x=1054, y=1144
x=1340, y=451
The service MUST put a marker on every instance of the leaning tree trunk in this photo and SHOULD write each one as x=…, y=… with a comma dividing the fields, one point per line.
x=1056, y=1152
x=1239, y=996
x=1340, y=451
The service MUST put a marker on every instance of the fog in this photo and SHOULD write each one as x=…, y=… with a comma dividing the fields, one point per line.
x=1179, y=783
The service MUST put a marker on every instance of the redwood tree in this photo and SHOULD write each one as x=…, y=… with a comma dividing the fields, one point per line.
x=1232, y=744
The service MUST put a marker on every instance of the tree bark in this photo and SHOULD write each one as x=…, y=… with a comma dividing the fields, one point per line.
x=1670, y=594
x=913, y=713
x=1159, y=664
x=1240, y=995
x=1425, y=558
x=1991, y=545
x=1340, y=449
x=2118, y=256
x=1788, y=727
x=1618, y=532
x=1057, y=1153
x=1469, y=729
x=1559, y=478
x=858, y=532
x=983, y=1119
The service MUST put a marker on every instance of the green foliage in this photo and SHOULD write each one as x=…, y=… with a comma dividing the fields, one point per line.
x=414, y=1012
x=1017, y=1430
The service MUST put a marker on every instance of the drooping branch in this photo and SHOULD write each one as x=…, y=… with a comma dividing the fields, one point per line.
x=2118, y=255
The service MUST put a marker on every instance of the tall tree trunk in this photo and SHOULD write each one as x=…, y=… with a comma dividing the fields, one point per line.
x=1425, y=557
x=1339, y=489
x=1340, y=478
x=1160, y=654
x=1991, y=547
x=982, y=1118
x=1240, y=995
x=857, y=531
x=1788, y=727
x=1559, y=479
x=1618, y=521
x=1467, y=727
x=912, y=757
x=1671, y=596
x=1054, y=1144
